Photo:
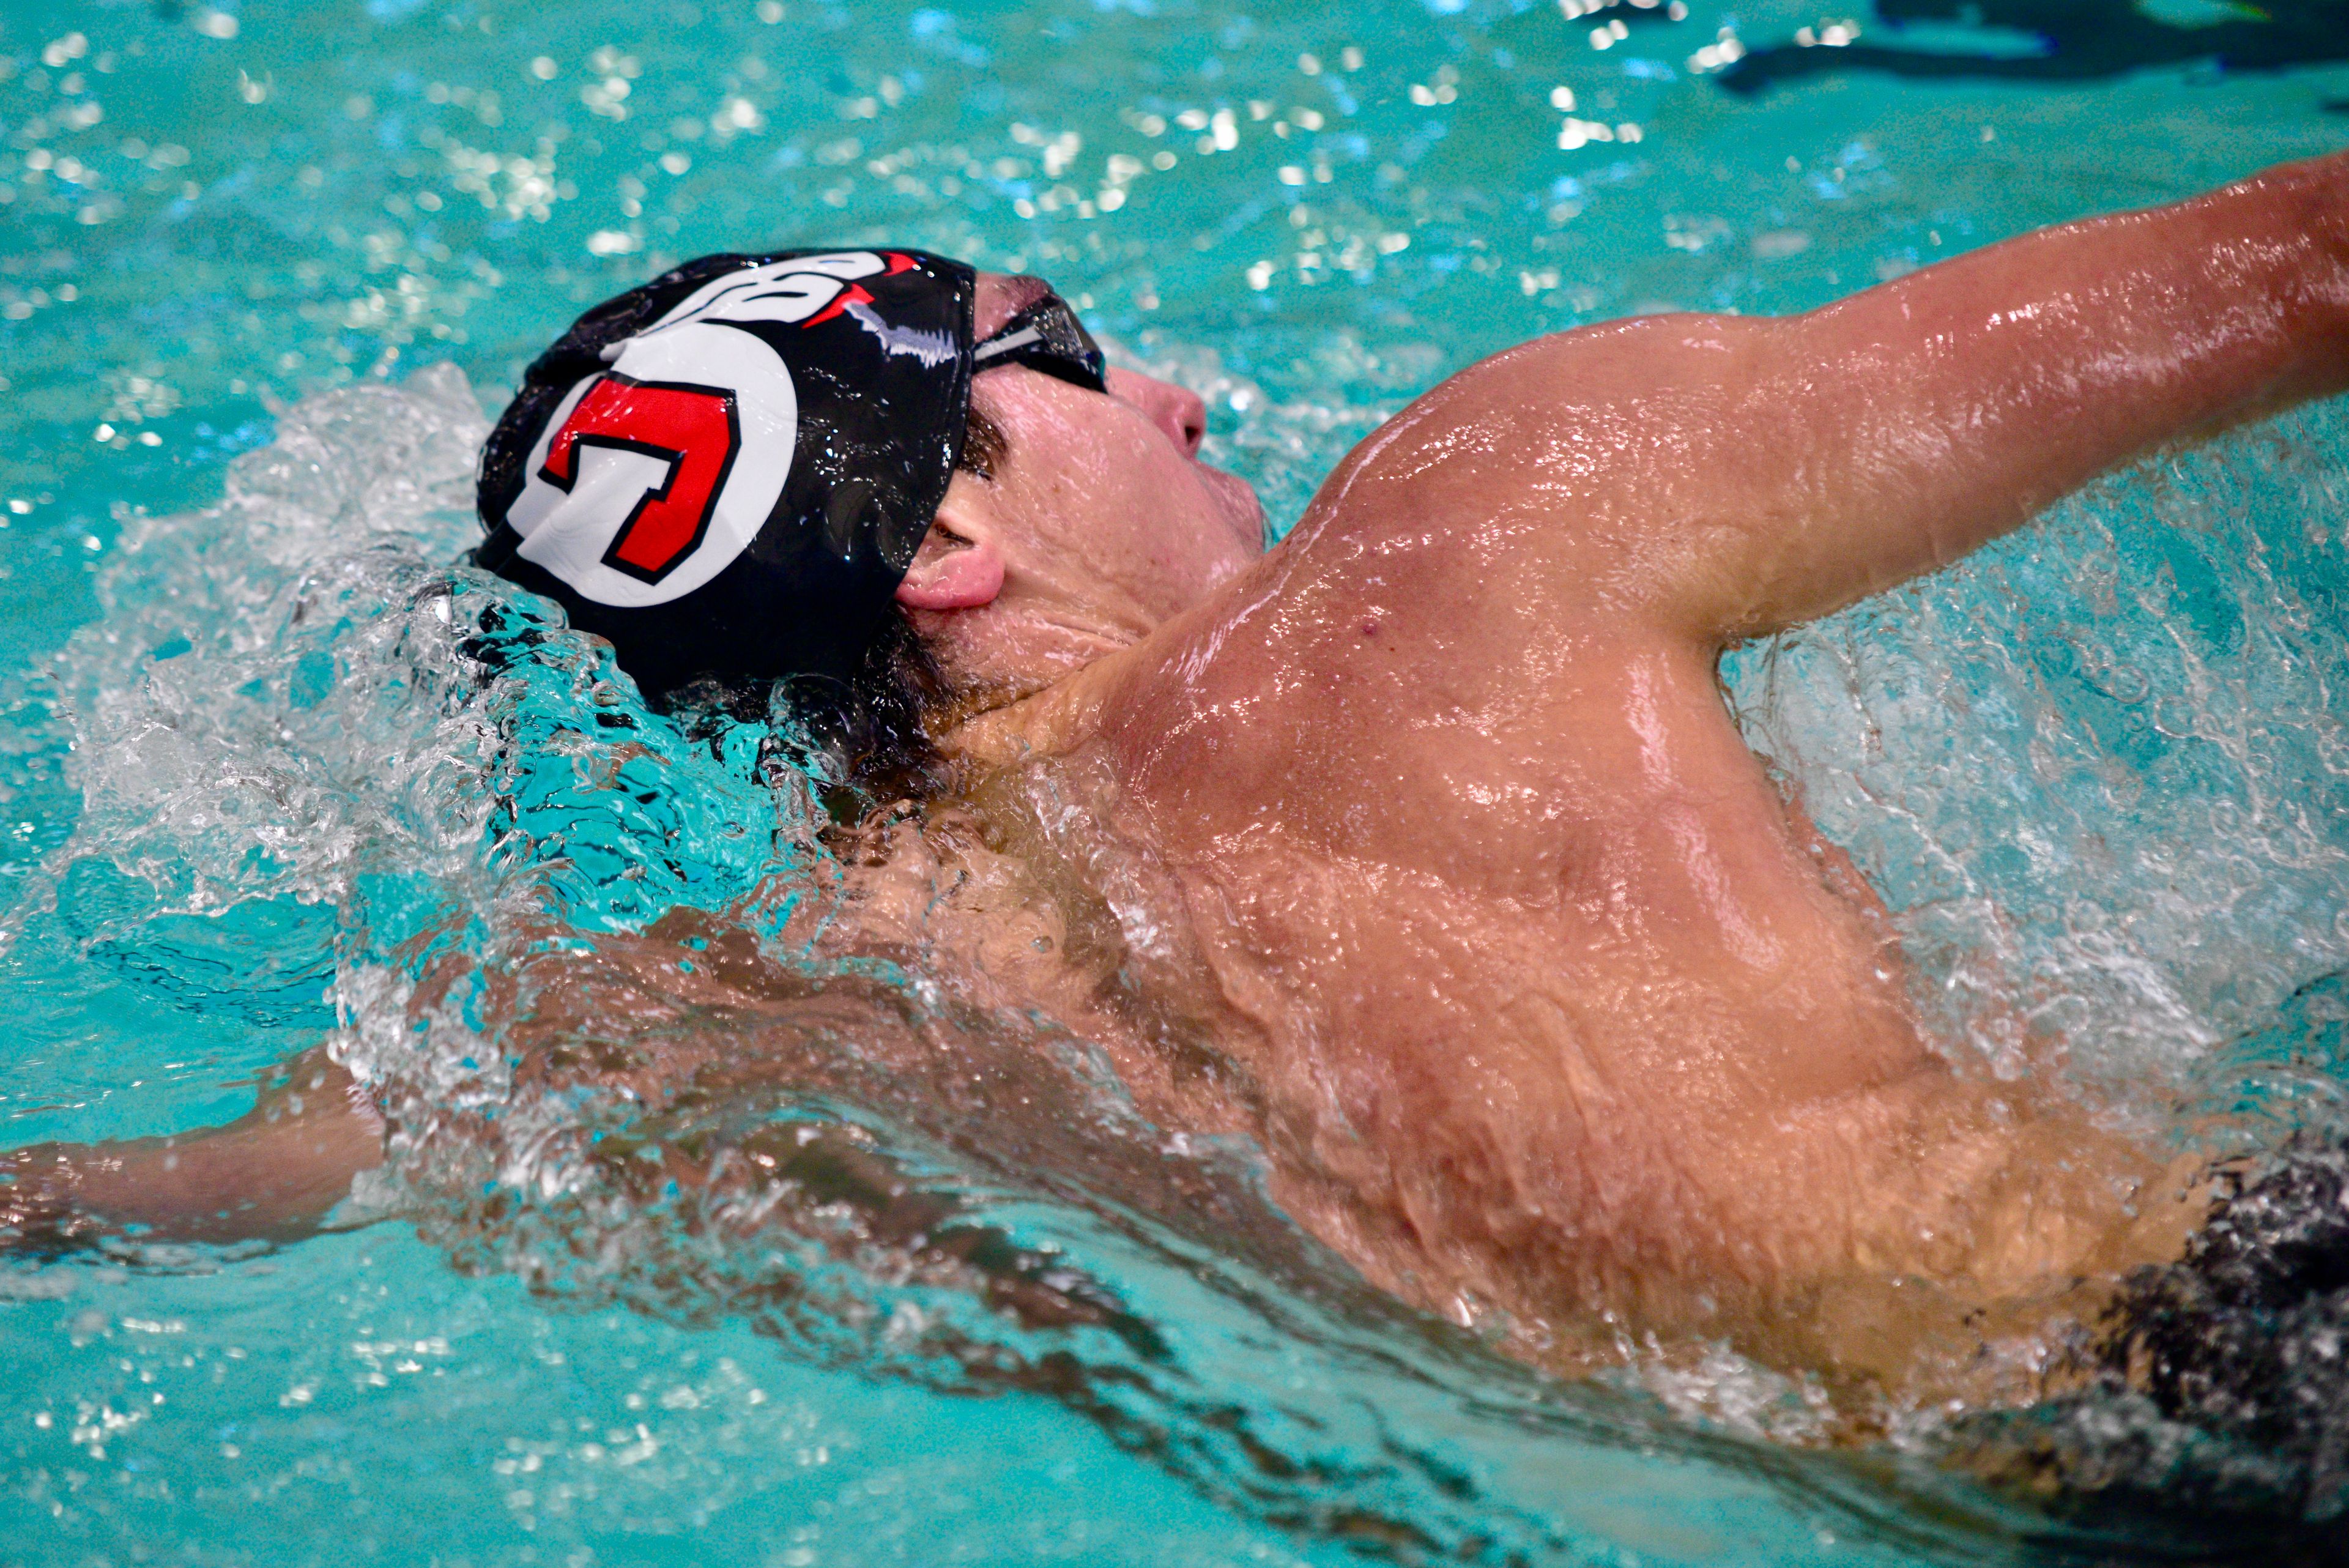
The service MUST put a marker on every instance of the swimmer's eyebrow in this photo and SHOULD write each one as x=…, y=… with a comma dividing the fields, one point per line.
x=1026, y=290
x=1020, y=291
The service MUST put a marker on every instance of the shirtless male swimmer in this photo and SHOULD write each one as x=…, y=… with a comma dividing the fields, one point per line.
x=1535, y=990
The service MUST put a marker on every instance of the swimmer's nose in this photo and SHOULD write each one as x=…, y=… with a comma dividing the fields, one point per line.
x=1179, y=414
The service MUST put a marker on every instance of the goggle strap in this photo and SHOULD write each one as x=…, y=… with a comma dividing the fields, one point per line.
x=1007, y=343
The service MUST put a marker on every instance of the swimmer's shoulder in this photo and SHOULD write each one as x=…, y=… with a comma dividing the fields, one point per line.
x=1570, y=418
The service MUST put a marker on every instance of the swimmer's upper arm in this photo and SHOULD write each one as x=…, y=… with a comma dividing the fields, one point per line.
x=1890, y=433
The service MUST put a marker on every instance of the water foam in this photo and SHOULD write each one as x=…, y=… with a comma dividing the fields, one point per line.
x=2100, y=771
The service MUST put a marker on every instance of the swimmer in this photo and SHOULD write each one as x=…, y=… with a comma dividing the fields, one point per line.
x=1421, y=849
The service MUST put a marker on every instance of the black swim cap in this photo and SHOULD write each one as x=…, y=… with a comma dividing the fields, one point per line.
x=728, y=470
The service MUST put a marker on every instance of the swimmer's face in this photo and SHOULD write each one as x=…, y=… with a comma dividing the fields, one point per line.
x=1097, y=522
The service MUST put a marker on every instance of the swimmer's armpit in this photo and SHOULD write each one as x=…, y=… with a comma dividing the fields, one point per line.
x=1892, y=432
x=273, y=1175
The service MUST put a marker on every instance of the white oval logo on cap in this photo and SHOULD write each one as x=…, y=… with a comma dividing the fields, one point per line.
x=653, y=476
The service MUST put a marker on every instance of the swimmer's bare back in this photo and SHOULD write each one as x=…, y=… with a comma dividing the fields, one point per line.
x=1484, y=920
x=1543, y=996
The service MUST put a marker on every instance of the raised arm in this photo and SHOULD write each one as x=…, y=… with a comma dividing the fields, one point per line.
x=273, y=1174
x=1723, y=476
x=1891, y=433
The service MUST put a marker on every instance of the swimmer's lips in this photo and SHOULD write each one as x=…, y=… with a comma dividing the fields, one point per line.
x=694, y=431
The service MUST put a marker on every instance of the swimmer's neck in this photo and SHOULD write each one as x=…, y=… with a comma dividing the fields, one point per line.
x=1135, y=653
x=1046, y=723
x=1064, y=715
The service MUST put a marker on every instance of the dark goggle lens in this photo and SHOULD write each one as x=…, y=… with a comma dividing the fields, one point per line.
x=1047, y=336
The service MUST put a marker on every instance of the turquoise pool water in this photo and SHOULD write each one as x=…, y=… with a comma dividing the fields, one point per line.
x=264, y=266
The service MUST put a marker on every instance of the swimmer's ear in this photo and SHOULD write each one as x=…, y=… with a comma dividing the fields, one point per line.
x=952, y=570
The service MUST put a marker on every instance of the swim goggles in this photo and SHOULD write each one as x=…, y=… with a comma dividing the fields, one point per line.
x=1046, y=336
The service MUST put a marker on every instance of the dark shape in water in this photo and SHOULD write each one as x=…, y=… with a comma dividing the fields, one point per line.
x=2081, y=40
x=2220, y=1403
x=2247, y=1335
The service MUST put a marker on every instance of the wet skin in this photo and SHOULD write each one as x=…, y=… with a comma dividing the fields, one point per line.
x=1423, y=850
x=1539, y=994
